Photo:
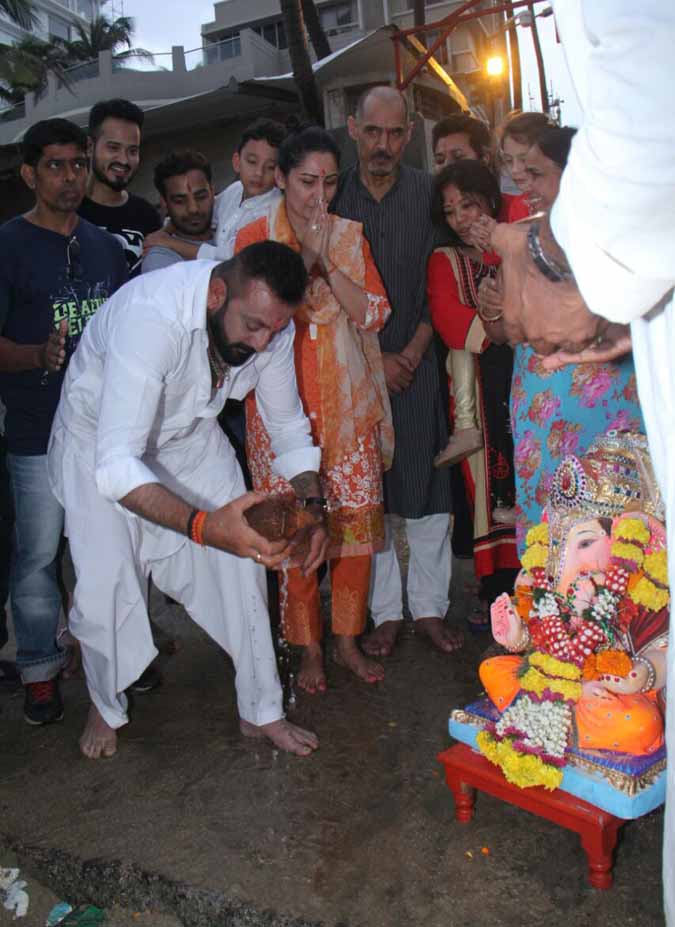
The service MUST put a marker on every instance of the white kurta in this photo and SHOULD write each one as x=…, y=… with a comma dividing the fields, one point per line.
x=231, y=213
x=137, y=407
x=615, y=219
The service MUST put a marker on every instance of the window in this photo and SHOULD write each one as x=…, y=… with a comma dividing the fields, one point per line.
x=85, y=8
x=338, y=16
x=274, y=33
x=58, y=28
x=222, y=50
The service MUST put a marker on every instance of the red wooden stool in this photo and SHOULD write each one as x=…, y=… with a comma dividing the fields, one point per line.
x=466, y=771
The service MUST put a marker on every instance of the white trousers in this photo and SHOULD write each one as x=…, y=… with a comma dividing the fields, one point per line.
x=429, y=571
x=653, y=346
x=113, y=554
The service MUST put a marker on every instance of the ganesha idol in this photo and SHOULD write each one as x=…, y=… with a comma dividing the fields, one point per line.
x=587, y=627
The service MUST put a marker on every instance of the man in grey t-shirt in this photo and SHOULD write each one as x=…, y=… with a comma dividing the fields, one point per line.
x=183, y=181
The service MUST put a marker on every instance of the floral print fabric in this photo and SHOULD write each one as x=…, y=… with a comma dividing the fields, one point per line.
x=560, y=413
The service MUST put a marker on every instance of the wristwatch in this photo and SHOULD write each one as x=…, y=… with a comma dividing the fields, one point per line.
x=553, y=270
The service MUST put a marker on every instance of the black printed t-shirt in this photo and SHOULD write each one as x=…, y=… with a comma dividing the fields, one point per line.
x=129, y=224
x=36, y=294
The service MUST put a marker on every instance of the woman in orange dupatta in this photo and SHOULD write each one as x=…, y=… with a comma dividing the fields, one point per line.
x=342, y=387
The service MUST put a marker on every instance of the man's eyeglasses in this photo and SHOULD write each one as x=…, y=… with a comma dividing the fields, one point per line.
x=74, y=270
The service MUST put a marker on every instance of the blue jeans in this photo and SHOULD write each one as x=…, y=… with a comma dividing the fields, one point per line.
x=33, y=585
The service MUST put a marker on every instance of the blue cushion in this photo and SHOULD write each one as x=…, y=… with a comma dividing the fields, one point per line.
x=625, y=785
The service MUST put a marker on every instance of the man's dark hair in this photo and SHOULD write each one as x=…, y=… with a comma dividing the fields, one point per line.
x=469, y=177
x=555, y=143
x=114, y=109
x=50, y=132
x=177, y=163
x=477, y=132
x=266, y=130
x=282, y=269
x=306, y=140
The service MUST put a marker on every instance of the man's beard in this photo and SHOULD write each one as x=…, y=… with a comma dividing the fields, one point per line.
x=191, y=232
x=118, y=184
x=232, y=353
x=381, y=165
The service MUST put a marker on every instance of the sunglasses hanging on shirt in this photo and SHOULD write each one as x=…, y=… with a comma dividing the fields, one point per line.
x=74, y=270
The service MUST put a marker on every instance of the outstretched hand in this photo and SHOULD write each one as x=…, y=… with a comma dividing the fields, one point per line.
x=550, y=316
x=227, y=529
x=614, y=342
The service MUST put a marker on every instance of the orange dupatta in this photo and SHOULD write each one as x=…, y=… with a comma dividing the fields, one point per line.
x=353, y=391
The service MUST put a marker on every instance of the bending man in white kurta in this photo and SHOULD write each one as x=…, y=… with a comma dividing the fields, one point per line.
x=136, y=449
x=613, y=224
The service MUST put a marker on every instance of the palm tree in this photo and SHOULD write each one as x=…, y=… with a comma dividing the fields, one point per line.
x=20, y=12
x=103, y=34
x=24, y=67
x=315, y=29
x=300, y=62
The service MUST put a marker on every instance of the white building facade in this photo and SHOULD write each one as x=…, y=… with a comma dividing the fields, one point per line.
x=55, y=19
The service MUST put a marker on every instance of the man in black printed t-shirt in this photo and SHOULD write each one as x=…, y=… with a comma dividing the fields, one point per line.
x=56, y=270
x=114, y=147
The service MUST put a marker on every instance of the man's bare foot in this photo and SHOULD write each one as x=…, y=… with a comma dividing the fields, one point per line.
x=284, y=735
x=380, y=642
x=441, y=635
x=312, y=678
x=347, y=654
x=98, y=738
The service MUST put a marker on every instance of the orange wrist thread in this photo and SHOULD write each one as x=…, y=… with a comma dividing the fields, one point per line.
x=197, y=532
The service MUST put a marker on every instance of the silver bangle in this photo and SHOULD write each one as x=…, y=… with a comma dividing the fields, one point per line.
x=545, y=264
x=651, y=673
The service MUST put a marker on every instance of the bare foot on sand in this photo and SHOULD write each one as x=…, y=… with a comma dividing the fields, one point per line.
x=439, y=632
x=312, y=678
x=347, y=654
x=381, y=642
x=98, y=738
x=284, y=735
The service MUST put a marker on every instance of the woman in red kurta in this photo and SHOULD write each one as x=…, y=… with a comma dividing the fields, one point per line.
x=464, y=192
x=342, y=387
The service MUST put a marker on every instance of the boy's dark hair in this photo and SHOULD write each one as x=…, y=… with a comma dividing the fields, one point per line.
x=281, y=268
x=50, y=132
x=115, y=109
x=263, y=130
x=523, y=127
x=177, y=163
x=477, y=132
x=555, y=143
x=468, y=177
x=304, y=141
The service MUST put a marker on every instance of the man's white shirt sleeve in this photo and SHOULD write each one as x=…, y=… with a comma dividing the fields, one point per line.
x=614, y=214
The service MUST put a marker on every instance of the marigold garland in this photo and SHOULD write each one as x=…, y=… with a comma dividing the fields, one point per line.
x=630, y=552
x=537, y=535
x=633, y=529
x=645, y=593
x=521, y=769
x=534, y=681
x=656, y=567
x=534, y=556
x=613, y=663
x=553, y=667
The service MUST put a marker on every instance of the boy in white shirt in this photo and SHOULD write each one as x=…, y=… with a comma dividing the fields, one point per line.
x=243, y=201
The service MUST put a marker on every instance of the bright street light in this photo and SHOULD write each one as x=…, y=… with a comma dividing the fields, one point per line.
x=495, y=66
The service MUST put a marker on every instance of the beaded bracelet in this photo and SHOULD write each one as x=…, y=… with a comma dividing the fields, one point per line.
x=522, y=641
x=651, y=673
x=196, y=523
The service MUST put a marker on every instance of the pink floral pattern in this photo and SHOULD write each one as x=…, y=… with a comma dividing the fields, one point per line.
x=560, y=413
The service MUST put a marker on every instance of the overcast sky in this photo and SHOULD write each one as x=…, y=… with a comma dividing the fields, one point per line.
x=163, y=23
